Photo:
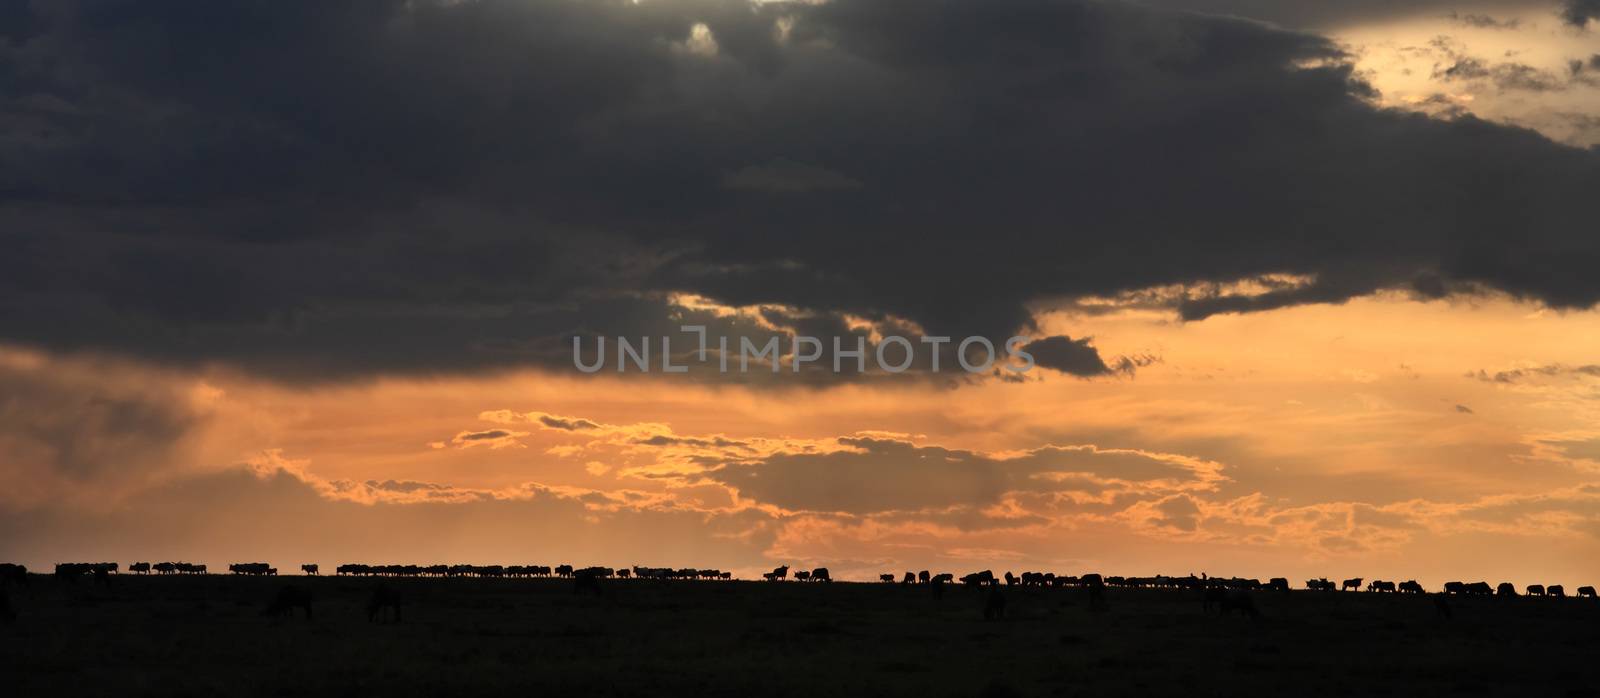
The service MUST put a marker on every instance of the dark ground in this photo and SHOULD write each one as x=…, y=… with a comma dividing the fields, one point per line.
x=207, y=635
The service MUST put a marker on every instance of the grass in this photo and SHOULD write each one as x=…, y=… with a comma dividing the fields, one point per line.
x=206, y=635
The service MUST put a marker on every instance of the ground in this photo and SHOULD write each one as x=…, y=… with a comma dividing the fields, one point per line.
x=208, y=635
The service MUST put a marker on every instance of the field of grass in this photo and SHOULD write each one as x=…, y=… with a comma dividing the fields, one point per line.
x=207, y=635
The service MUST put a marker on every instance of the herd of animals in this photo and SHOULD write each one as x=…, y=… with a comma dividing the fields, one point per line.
x=1223, y=594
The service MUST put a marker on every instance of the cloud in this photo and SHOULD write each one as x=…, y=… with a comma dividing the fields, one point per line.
x=1578, y=13
x=1463, y=409
x=323, y=192
x=1075, y=357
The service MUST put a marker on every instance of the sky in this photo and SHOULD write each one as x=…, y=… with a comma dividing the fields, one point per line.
x=1308, y=287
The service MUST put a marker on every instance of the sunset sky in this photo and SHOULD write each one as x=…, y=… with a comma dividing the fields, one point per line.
x=1309, y=286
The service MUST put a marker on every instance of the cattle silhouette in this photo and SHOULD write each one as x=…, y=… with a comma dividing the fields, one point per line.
x=309, y=569
x=1479, y=589
x=287, y=600
x=1381, y=586
x=1411, y=586
x=1536, y=590
x=1586, y=592
x=139, y=568
x=820, y=574
x=777, y=574
x=384, y=605
x=994, y=608
x=979, y=579
x=1278, y=584
x=1321, y=584
x=911, y=578
x=1505, y=589
x=923, y=577
x=802, y=575
x=886, y=578
x=1555, y=590
x=1351, y=584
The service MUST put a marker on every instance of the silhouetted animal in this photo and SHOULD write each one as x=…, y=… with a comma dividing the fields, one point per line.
x=1505, y=589
x=911, y=578
x=1555, y=590
x=1536, y=590
x=777, y=574
x=10, y=573
x=252, y=568
x=1479, y=588
x=1226, y=601
x=586, y=580
x=922, y=577
x=802, y=575
x=820, y=574
x=1586, y=592
x=288, y=599
x=1351, y=584
x=1411, y=586
x=309, y=569
x=139, y=568
x=1321, y=584
x=1380, y=586
x=1456, y=587
x=1278, y=584
x=384, y=598
x=995, y=607
x=887, y=578
x=564, y=571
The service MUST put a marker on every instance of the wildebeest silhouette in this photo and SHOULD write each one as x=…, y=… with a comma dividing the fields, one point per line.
x=252, y=568
x=802, y=575
x=911, y=578
x=923, y=577
x=12, y=573
x=1479, y=588
x=1536, y=590
x=139, y=568
x=1456, y=587
x=888, y=578
x=1278, y=584
x=1226, y=601
x=1380, y=586
x=1321, y=584
x=1505, y=589
x=309, y=569
x=289, y=598
x=1555, y=590
x=777, y=574
x=384, y=598
x=1411, y=586
x=995, y=606
x=820, y=574
x=1351, y=584
x=1586, y=592
x=978, y=579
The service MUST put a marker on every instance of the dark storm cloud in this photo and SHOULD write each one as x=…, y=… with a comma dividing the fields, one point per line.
x=1073, y=356
x=331, y=189
x=1578, y=13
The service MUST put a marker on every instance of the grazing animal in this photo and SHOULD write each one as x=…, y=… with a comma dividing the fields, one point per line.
x=1226, y=601
x=820, y=574
x=587, y=580
x=1586, y=592
x=1536, y=590
x=1381, y=586
x=309, y=569
x=1505, y=589
x=1411, y=586
x=1455, y=587
x=13, y=573
x=139, y=568
x=777, y=574
x=911, y=578
x=1351, y=584
x=802, y=576
x=1278, y=584
x=1479, y=588
x=384, y=598
x=1320, y=584
x=564, y=570
x=1555, y=590
x=922, y=577
x=995, y=607
x=888, y=578
x=288, y=599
